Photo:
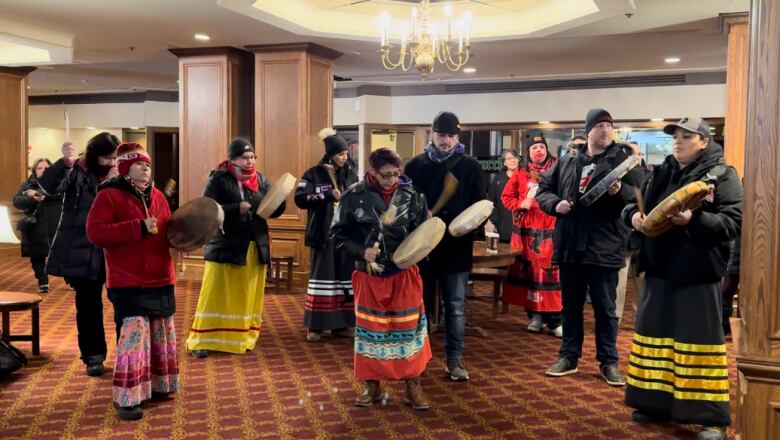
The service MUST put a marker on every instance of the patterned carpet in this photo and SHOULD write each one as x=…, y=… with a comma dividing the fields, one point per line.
x=289, y=389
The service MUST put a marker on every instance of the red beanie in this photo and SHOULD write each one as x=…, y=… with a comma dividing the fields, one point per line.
x=130, y=153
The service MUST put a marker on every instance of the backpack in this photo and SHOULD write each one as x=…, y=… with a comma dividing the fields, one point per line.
x=11, y=359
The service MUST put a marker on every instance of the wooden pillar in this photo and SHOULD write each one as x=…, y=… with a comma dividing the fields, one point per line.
x=293, y=101
x=736, y=84
x=215, y=105
x=13, y=131
x=758, y=354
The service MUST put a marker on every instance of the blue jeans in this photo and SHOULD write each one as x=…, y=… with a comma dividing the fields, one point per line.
x=576, y=281
x=452, y=287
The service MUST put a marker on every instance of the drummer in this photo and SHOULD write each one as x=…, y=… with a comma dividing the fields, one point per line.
x=450, y=262
x=391, y=333
x=230, y=305
x=589, y=242
x=678, y=321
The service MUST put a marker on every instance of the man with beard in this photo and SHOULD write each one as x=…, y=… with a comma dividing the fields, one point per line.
x=589, y=242
x=450, y=262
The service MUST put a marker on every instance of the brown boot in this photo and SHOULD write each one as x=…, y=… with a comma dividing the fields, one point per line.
x=414, y=396
x=371, y=393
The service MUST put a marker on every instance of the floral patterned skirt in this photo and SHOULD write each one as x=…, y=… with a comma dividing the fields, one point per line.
x=145, y=359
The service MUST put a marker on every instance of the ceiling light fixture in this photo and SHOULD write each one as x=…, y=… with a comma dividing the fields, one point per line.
x=672, y=60
x=133, y=128
x=202, y=37
x=543, y=122
x=470, y=70
x=656, y=119
x=423, y=45
x=89, y=128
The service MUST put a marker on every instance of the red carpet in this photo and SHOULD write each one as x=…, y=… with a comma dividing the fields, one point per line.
x=291, y=389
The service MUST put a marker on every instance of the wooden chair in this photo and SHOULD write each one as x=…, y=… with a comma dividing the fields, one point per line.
x=18, y=301
x=276, y=270
x=497, y=276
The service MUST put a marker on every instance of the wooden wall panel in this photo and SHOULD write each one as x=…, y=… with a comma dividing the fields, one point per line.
x=736, y=86
x=13, y=131
x=293, y=101
x=758, y=361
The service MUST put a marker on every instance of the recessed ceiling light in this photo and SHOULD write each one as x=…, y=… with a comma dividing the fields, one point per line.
x=470, y=70
x=657, y=119
x=202, y=37
x=544, y=122
x=90, y=128
x=133, y=128
x=672, y=60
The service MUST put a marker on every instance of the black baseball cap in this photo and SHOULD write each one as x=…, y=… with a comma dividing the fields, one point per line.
x=694, y=125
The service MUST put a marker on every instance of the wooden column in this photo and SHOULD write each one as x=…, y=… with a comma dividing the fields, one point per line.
x=293, y=101
x=736, y=84
x=13, y=131
x=758, y=354
x=215, y=105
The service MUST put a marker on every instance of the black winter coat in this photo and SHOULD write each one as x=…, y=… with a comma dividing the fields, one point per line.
x=595, y=234
x=315, y=194
x=231, y=244
x=72, y=255
x=356, y=224
x=37, y=240
x=698, y=252
x=452, y=255
x=501, y=217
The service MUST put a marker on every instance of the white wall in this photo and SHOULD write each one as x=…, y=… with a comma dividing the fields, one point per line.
x=136, y=114
x=707, y=101
x=48, y=142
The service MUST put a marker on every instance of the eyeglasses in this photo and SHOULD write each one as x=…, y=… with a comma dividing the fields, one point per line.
x=388, y=176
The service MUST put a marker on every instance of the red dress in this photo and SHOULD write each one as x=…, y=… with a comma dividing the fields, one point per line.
x=533, y=282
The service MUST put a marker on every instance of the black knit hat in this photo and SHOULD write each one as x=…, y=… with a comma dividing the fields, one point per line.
x=238, y=147
x=535, y=137
x=595, y=116
x=446, y=122
x=334, y=143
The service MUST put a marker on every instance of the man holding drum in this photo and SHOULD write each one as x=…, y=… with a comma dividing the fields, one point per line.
x=678, y=368
x=373, y=220
x=589, y=241
x=450, y=262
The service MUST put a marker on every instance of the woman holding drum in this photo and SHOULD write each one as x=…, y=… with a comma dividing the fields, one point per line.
x=230, y=305
x=329, y=299
x=391, y=337
x=678, y=366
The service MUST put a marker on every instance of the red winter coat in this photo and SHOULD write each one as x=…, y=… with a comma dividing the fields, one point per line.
x=533, y=282
x=134, y=258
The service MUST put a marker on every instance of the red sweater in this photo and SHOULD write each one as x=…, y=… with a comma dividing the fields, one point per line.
x=132, y=258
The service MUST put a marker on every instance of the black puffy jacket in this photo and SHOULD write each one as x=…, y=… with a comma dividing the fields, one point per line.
x=356, y=225
x=231, y=244
x=315, y=194
x=72, y=255
x=696, y=253
x=594, y=234
x=37, y=240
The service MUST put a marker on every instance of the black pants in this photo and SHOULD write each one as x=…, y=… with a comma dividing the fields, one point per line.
x=39, y=267
x=576, y=281
x=89, y=318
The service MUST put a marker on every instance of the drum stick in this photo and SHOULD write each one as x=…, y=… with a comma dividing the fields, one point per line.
x=153, y=230
x=448, y=190
x=640, y=201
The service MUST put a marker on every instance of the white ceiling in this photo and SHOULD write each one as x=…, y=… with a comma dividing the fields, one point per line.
x=123, y=44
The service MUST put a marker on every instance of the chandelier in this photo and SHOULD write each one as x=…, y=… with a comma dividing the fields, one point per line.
x=423, y=45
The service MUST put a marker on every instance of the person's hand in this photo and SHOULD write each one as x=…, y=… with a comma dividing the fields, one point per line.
x=614, y=188
x=370, y=254
x=69, y=151
x=526, y=204
x=563, y=207
x=637, y=220
x=244, y=207
x=336, y=194
x=151, y=224
x=490, y=227
x=682, y=218
x=34, y=194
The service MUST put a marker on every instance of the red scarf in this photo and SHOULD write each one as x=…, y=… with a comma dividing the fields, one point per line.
x=536, y=170
x=386, y=194
x=247, y=177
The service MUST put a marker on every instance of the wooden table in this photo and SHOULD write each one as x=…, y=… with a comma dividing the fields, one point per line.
x=16, y=301
x=482, y=259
